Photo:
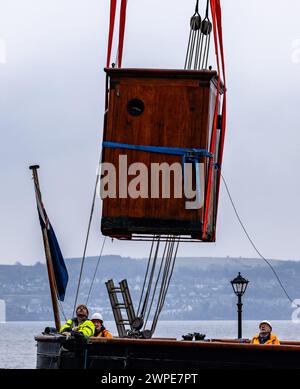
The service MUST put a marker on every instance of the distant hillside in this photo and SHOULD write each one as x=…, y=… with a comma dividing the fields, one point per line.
x=200, y=288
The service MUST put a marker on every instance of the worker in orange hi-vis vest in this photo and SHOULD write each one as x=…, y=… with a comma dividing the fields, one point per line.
x=265, y=335
x=100, y=330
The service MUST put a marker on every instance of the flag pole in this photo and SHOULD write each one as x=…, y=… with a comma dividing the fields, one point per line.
x=53, y=289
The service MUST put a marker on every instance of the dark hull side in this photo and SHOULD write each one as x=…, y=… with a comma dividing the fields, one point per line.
x=53, y=353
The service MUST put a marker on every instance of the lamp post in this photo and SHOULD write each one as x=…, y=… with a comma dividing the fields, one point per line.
x=239, y=285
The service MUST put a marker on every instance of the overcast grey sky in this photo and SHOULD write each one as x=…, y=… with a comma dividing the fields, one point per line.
x=52, y=55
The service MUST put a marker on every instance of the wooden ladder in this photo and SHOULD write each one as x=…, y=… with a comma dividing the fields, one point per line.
x=118, y=307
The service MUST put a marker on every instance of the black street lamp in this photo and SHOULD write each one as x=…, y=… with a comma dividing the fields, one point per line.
x=239, y=285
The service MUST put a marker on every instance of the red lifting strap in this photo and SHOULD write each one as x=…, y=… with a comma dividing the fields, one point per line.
x=218, y=39
x=113, y=8
x=223, y=128
x=121, y=31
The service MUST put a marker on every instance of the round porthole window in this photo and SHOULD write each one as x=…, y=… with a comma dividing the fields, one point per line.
x=135, y=107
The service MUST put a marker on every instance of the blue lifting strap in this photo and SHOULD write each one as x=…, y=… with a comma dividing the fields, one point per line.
x=188, y=155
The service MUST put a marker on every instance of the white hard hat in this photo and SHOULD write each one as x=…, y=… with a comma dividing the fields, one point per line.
x=265, y=322
x=97, y=316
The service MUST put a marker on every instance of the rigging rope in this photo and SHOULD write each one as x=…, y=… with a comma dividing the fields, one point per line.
x=87, y=235
x=253, y=244
x=62, y=309
x=96, y=269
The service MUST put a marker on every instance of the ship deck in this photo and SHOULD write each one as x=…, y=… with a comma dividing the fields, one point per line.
x=126, y=353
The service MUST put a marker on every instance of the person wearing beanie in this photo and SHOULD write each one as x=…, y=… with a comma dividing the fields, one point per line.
x=80, y=325
x=265, y=335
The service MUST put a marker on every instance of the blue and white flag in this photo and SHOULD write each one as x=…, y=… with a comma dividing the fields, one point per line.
x=58, y=263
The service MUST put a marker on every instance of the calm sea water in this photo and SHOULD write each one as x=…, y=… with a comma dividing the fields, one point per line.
x=18, y=348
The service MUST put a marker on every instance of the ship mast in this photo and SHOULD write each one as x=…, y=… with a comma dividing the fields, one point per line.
x=52, y=284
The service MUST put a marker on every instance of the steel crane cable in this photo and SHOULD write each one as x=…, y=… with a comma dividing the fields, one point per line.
x=146, y=275
x=164, y=279
x=167, y=265
x=167, y=274
x=204, y=34
x=171, y=260
x=200, y=33
x=148, y=289
x=156, y=283
x=195, y=24
x=165, y=290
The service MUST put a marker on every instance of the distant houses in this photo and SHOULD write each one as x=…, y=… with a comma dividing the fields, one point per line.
x=200, y=288
x=2, y=311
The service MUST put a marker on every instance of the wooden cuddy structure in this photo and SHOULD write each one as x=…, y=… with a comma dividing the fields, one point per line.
x=160, y=110
x=55, y=352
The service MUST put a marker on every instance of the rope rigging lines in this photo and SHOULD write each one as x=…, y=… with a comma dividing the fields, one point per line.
x=87, y=234
x=96, y=270
x=254, y=246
